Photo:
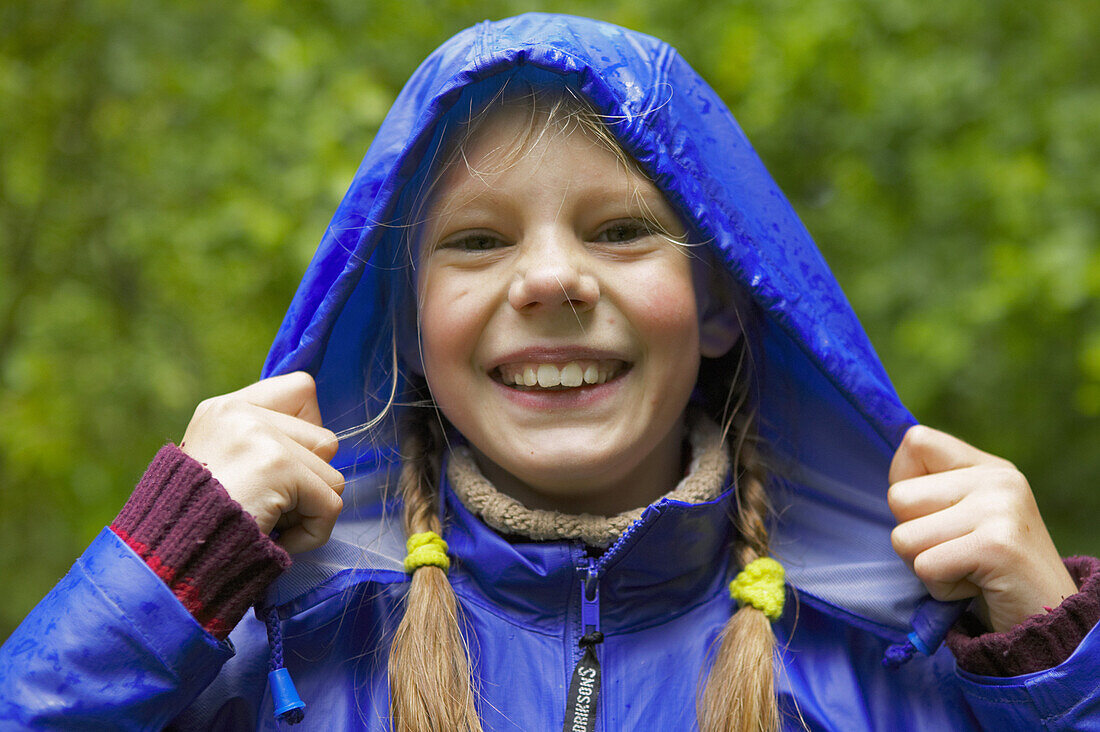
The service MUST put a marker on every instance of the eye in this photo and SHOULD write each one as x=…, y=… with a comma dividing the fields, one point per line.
x=619, y=232
x=476, y=242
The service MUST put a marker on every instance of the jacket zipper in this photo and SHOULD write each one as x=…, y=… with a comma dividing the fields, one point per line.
x=590, y=599
x=614, y=549
x=591, y=569
x=582, y=702
x=582, y=698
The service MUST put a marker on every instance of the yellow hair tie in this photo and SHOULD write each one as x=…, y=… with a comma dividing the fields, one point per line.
x=426, y=549
x=761, y=585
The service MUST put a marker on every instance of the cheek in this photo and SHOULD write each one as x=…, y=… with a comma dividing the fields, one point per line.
x=448, y=330
x=439, y=336
x=665, y=311
x=672, y=313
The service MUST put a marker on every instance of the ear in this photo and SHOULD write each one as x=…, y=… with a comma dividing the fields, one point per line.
x=717, y=303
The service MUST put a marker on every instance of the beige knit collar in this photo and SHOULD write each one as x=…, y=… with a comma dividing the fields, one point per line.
x=706, y=477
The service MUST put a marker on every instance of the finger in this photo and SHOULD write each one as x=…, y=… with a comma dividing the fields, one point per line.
x=945, y=569
x=294, y=394
x=317, y=466
x=915, y=497
x=318, y=440
x=296, y=539
x=911, y=538
x=312, y=518
x=924, y=451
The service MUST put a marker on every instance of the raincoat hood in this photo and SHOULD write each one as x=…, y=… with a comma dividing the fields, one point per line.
x=827, y=407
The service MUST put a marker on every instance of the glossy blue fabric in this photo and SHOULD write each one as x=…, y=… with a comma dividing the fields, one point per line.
x=107, y=648
x=829, y=409
x=112, y=646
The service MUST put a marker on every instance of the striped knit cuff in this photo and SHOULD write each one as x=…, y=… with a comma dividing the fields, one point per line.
x=1040, y=642
x=205, y=547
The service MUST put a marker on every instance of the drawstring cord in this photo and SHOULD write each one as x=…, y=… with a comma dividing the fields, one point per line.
x=901, y=653
x=288, y=705
x=423, y=549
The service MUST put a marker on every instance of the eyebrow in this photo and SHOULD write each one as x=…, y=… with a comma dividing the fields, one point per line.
x=473, y=190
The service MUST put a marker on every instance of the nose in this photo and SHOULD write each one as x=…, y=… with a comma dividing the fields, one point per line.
x=552, y=275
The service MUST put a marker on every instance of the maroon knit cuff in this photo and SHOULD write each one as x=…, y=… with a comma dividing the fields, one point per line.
x=1042, y=641
x=205, y=547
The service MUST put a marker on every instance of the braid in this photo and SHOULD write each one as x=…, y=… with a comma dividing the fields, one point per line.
x=739, y=693
x=429, y=668
x=753, y=508
x=421, y=450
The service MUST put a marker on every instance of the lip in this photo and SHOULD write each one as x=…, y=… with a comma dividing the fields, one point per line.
x=580, y=397
x=560, y=354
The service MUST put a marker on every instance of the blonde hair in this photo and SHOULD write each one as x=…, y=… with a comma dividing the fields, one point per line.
x=429, y=669
x=431, y=685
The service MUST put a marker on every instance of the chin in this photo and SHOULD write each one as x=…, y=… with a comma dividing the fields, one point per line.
x=565, y=483
x=579, y=471
x=559, y=479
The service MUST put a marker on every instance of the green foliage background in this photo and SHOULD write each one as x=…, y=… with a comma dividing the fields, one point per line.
x=166, y=170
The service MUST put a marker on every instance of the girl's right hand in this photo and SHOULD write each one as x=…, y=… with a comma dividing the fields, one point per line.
x=266, y=446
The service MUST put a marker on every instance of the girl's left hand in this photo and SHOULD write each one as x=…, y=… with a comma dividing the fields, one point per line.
x=968, y=525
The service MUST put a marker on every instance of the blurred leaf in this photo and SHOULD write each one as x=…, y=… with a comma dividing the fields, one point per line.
x=167, y=169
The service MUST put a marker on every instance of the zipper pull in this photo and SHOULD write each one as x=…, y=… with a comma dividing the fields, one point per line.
x=590, y=602
x=584, y=689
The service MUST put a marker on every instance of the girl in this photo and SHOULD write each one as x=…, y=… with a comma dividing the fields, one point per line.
x=596, y=392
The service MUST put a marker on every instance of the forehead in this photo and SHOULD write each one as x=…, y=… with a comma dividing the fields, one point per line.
x=518, y=140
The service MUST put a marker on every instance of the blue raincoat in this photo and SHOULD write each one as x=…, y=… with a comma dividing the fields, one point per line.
x=112, y=647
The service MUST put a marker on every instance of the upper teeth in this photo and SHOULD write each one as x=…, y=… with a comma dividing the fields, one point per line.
x=548, y=375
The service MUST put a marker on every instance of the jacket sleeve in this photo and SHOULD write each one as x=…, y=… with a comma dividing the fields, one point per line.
x=109, y=647
x=1042, y=641
x=199, y=541
x=1066, y=697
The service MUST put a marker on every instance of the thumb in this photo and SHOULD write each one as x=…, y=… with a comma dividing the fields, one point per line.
x=294, y=394
x=925, y=451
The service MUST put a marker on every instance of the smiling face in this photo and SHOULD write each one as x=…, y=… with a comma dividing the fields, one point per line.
x=560, y=333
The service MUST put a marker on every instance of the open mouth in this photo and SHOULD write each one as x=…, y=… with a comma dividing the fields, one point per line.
x=533, y=376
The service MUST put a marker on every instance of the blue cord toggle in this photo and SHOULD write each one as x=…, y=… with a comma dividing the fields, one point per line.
x=919, y=643
x=288, y=704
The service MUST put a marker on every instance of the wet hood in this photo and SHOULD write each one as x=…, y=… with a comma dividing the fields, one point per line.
x=828, y=408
